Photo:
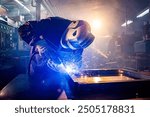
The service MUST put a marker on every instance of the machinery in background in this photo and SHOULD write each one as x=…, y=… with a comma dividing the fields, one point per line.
x=142, y=49
x=14, y=53
x=130, y=51
x=121, y=51
x=8, y=37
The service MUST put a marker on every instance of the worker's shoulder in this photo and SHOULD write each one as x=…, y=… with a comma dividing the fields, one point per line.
x=55, y=19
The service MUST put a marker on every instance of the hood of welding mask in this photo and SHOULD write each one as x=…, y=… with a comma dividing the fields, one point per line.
x=77, y=35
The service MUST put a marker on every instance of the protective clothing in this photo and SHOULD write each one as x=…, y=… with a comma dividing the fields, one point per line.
x=59, y=43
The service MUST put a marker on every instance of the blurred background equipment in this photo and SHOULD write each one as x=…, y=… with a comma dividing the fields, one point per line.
x=8, y=37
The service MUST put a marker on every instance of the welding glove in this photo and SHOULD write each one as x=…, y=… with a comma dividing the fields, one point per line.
x=52, y=59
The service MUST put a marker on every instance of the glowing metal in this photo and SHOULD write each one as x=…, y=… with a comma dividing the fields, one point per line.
x=68, y=69
x=97, y=79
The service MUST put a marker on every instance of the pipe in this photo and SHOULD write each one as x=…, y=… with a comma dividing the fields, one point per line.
x=38, y=9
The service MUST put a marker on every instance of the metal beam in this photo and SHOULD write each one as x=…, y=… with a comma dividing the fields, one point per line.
x=38, y=9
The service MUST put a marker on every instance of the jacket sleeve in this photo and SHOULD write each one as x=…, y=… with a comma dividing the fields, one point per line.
x=28, y=33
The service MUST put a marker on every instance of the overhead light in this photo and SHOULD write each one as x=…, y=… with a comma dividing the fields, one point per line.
x=96, y=24
x=127, y=23
x=143, y=13
x=22, y=5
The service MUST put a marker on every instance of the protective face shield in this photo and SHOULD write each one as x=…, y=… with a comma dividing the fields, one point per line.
x=77, y=35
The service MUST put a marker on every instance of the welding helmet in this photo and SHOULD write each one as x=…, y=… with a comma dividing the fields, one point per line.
x=77, y=35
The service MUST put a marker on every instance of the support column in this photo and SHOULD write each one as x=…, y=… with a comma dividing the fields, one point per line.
x=38, y=9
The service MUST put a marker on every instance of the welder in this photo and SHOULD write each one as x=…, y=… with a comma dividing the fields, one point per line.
x=57, y=45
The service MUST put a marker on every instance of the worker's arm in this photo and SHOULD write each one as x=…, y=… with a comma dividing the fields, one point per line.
x=28, y=33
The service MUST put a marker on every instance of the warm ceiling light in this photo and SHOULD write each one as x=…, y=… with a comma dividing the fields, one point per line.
x=96, y=24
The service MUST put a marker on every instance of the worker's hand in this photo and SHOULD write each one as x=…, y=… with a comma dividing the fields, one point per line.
x=53, y=60
x=58, y=67
x=41, y=47
x=48, y=53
